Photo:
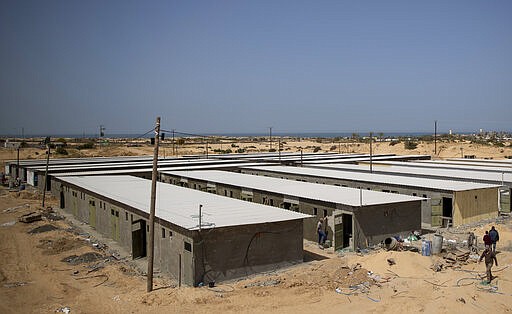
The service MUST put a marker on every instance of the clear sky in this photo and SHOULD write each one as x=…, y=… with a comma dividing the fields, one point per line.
x=243, y=66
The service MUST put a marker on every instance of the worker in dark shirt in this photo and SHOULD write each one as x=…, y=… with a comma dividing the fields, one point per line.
x=495, y=237
x=489, y=258
x=487, y=239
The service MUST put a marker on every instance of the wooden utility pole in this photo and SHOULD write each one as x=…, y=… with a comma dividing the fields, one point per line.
x=270, y=139
x=152, y=209
x=18, y=162
x=173, y=149
x=46, y=170
x=371, y=152
x=279, y=143
x=435, y=138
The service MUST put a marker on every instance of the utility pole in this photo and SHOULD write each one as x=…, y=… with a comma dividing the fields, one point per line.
x=270, y=138
x=47, y=140
x=371, y=152
x=18, y=162
x=279, y=143
x=152, y=209
x=173, y=150
x=435, y=138
x=200, y=213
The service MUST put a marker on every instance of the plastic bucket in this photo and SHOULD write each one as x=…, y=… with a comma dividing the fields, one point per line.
x=425, y=248
x=437, y=244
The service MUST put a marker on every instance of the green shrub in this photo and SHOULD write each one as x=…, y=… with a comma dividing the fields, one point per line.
x=410, y=145
x=61, y=151
x=88, y=145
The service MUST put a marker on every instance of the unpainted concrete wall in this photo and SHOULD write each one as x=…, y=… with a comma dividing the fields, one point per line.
x=373, y=224
x=428, y=217
x=227, y=253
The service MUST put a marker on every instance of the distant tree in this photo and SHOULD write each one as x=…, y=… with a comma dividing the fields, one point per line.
x=61, y=151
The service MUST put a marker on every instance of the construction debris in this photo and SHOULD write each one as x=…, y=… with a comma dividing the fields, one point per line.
x=43, y=228
x=8, y=224
x=30, y=217
x=8, y=210
x=84, y=258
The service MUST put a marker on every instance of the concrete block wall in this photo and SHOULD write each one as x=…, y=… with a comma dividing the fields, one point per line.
x=427, y=216
x=227, y=253
x=375, y=223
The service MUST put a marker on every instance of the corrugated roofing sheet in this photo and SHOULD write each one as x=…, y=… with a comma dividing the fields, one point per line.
x=434, y=173
x=444, y=164
x=313, y=191
x=435, y=184
x=179, y=205
x=231, y=164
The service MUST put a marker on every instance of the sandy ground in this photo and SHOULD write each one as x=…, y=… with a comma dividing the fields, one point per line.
x=444, y=149
x=35, y=279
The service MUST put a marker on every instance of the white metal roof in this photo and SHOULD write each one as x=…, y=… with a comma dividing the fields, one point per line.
x=434, y=173
x=231, y=164
x=179, y=205
x=367, y=158
x=130, y=164
x=487, y=161
x=435, y=184
x=313, y=191
x=444, y=164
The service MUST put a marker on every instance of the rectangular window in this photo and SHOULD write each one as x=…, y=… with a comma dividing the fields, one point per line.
x=126, y=216
x=271, y=202
x=163, y=233
x=117, y=213
x=414, y=194
x=131, y=217
x=230, y=193
x=187, y=246
x=225, y=192
x=315, y=211
x=325, y=212
x=112, y=212
x=170, y=233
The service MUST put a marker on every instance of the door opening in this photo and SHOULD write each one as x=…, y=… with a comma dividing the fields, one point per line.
x=139, y=239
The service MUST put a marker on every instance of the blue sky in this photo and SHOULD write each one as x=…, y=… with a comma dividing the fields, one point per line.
x=243, y=66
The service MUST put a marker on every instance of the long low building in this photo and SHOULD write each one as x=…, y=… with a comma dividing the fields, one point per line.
x=445, y=200
x=199, y=237
x=356, y=218
x=504, y=179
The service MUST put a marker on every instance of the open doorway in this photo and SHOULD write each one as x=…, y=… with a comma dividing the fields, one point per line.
x=447, y=211
x=138, y=239
x=342, y=230
x=347, y=230
x=62, y=200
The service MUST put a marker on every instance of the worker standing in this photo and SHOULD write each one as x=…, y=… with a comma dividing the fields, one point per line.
x=495, y=237
x=321, y=233
x=489, y=258
x=487, y=239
